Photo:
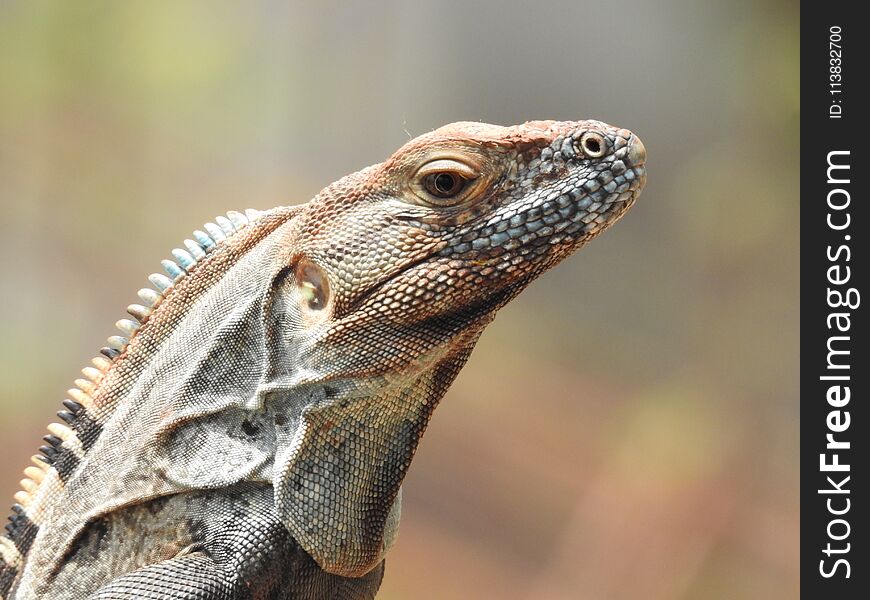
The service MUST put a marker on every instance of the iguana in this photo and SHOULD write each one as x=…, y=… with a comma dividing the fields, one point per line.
x=248, y=433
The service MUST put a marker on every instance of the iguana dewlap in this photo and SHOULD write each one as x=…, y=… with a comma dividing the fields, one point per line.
x=247, y=435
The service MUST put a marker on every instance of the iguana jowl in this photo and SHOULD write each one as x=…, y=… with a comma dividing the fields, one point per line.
x=248, y=435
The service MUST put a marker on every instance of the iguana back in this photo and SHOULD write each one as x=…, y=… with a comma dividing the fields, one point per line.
x=248, y=434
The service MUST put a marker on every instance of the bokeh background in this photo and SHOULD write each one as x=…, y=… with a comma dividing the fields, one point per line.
x=627, y=428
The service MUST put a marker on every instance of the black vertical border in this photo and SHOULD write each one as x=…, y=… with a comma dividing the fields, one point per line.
x=821, y=135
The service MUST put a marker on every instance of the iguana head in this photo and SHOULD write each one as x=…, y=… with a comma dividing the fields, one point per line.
x=390, y=264
x=391, y=276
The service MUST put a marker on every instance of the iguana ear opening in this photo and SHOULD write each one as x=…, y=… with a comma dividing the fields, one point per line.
x=297, y=308
x=313, y=283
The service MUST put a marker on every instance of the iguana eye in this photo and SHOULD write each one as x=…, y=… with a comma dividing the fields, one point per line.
x=445, y=182
x=592, y=144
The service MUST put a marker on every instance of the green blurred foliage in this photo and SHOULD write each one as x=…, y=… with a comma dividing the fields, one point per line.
x=627, y=428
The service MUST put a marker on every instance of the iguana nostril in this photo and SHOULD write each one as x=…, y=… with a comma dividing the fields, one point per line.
x=636, y=152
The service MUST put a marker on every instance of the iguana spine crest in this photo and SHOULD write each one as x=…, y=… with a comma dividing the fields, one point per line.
x=67, y=442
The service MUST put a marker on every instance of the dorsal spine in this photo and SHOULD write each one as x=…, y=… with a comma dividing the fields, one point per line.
x=67, y=441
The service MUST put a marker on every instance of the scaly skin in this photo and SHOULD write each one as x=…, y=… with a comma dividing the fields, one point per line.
x=251, y=437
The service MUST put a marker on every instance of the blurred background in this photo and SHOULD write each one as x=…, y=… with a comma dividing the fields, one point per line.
x=627, y=428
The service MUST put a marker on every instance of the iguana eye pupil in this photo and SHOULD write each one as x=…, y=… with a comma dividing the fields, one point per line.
x=444, y=184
